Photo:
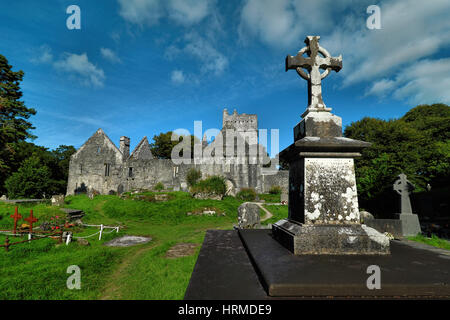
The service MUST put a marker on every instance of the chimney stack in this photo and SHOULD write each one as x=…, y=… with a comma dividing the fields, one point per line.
x=125, y=147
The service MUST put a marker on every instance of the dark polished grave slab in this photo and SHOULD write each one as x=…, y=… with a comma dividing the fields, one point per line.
x=408, y=272
x=223, y=270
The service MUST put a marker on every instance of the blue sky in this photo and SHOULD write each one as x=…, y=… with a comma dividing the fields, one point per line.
x=141, y=67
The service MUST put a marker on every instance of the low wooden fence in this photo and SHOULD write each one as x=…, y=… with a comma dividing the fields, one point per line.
x=41, y=234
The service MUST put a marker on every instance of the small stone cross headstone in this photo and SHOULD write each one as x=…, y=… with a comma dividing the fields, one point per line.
x=410, y=221
x=403, y=187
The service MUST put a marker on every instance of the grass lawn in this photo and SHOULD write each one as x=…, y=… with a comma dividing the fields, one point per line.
x=433, y=241
x=37, y=270
x=278, y=212
x=270, y=198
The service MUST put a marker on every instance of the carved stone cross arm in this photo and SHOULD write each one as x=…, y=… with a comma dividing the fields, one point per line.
x=318, y=58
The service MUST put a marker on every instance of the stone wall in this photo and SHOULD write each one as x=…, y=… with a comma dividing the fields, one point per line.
x=99, y=165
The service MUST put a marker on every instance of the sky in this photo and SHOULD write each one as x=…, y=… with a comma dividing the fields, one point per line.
x=141, y=67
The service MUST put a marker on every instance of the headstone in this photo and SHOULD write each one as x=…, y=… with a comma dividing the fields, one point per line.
x=323, y=204
x=364, y=216
x=58, y=200
x=248, y=216
x=284, y=198
x=230, y=189
x=410, y=221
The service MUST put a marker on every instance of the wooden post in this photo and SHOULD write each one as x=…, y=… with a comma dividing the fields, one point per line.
x=16, y=216
x=69, y=236
x=7, y=244
x=101, y=231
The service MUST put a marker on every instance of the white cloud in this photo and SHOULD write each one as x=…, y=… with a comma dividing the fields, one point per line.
x=273, y=22
x=419, y=84
x=141, y=12
x=109, y=55
x=177, y=76
x=211, y=59
x=149, y=12
x=381, y=87
x=80, y=67
x=44, y=55
x=188, y=12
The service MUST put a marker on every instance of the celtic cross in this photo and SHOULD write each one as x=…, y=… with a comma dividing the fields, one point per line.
x=318, y=58
x=403, y=187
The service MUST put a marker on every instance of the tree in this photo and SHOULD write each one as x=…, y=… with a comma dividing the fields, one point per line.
x=162, y=145
x=14, y=126
x=417, y=144
x=32, y=180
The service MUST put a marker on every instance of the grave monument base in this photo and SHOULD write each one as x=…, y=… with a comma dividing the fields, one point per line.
x=330, y=239
x=252, y=265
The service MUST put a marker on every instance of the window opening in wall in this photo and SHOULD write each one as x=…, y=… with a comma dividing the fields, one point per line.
x=130, y=172
x=107, y=168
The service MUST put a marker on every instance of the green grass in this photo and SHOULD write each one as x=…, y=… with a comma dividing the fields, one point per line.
x=37, y=270
x=278, y=212
x=270, y=198
x=433, y=241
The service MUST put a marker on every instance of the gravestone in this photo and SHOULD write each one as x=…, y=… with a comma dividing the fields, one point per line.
x=323, y=204
x=248, y=216
x=284, y=198
x=410, y=221
x=57, y=200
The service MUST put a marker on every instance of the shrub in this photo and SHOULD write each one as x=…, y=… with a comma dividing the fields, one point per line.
x=193, y=176
x=211, y=185
x=246, y=194
x=275, y=190
x=159, y=186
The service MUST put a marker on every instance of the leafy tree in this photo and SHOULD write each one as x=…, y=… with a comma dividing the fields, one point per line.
x=162, y=145
x=14, y=126
x=417, y=144
x=31, y=180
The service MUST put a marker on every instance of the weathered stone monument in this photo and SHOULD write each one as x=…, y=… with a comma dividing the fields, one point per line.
x=410, y=221
x=323, y=203
x=57, y=200
x=248, y=216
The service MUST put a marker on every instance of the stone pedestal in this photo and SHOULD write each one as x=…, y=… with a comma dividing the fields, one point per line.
x=323, y=201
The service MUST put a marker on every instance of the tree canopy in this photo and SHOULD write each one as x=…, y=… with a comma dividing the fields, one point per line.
x=14, y=124
x=162, y=144
x=417, y=144
x=26, y=170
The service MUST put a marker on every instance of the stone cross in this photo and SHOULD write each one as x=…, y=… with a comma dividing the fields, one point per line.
x=16, y=216
x=403, y=187
x=31, y=220
x=313, y=63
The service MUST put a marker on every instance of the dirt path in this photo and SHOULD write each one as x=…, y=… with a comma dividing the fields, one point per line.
x=112, y=289
x=267, y=215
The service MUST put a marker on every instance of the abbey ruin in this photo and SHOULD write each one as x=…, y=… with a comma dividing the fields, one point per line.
x=99, y=165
